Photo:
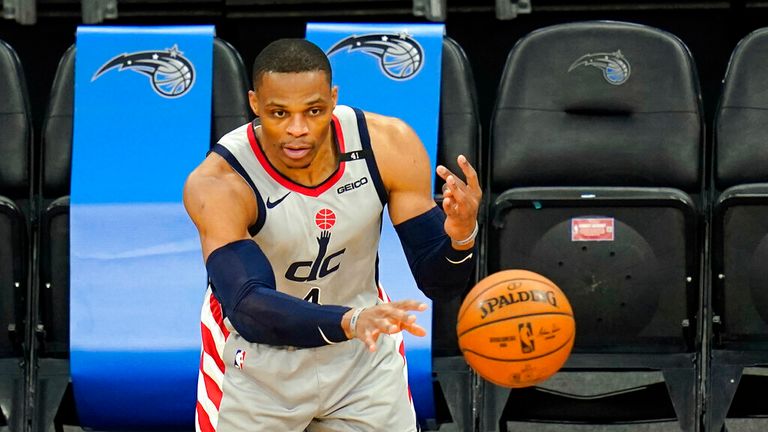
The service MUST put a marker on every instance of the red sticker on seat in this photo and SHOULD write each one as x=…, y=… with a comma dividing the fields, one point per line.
x=592, y=229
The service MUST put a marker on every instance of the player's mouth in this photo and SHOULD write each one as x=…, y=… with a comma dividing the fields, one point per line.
x=296, y=153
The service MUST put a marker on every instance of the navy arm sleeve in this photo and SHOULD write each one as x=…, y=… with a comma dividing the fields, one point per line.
x=244, y=283
x=440, y=270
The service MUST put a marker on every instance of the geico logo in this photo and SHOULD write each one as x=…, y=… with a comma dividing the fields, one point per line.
x=353, y=185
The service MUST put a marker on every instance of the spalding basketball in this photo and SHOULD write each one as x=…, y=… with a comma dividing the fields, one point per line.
x=516, y=328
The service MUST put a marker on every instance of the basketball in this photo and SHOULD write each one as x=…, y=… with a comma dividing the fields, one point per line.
x=515, y=328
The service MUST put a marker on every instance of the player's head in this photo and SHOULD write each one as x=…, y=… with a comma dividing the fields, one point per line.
x=290, y=56
x=293, y=97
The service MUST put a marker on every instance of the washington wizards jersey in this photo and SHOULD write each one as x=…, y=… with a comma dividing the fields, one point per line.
x=321, y=241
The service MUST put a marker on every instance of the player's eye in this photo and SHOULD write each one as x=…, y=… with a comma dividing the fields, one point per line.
x=315, y=111
x=278, y=114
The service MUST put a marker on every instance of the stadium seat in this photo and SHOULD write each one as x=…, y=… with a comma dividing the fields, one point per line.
x=740, y=238
x=15, y=194
x=230, y=109
x=597, y=183
x=459, y=133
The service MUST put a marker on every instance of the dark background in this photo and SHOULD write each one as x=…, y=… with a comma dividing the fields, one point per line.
x=711, y=30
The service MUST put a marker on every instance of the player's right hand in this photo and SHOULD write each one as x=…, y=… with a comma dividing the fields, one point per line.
x=386, y=318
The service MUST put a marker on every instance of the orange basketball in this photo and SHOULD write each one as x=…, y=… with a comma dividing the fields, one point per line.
x=516, y=328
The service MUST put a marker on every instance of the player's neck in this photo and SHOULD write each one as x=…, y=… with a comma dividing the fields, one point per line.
x=324, y=164
x=320, y=169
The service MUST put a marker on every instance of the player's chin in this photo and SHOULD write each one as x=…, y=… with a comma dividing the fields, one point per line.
x=302, y=163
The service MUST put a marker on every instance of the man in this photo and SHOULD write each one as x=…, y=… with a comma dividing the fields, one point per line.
x=289, y=210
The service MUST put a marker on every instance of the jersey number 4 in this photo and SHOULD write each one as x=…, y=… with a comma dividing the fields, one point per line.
x=313, y=296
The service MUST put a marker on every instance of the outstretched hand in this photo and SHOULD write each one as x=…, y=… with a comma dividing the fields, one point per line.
x=460, y=200
x=386, y=318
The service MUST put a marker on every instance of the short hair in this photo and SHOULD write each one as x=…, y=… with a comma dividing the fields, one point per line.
x=288, y=56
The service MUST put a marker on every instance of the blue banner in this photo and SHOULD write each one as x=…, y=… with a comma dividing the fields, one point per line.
x=393, y=69
x=142, y=123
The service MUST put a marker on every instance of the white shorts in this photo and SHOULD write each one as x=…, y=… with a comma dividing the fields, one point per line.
x=340, y=387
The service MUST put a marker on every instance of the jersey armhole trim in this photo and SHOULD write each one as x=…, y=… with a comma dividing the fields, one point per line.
x=370, y=159
x=235, y=164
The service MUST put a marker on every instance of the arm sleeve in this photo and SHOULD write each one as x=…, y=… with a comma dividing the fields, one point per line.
x=244, y=283
x=440, y=270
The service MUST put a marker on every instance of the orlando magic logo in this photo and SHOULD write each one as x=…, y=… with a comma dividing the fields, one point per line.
x=171, y=74
x=614, y=65
x=400, y=56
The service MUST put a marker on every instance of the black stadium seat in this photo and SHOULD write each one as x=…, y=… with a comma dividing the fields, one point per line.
x=230, y=109
x=598, y=125
x=740, y=237
x=15, y=194
x=459, y=133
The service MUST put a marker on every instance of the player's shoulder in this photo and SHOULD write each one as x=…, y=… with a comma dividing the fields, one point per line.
x=214, y=187
x=400, y=155
x=236, y=135
x=213, y=175
x=386, y=124
x=390, y=133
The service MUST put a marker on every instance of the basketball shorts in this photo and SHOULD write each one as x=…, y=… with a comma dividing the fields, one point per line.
x=341, y=387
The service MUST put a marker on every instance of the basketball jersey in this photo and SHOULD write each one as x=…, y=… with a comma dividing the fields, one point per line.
x=321, y=241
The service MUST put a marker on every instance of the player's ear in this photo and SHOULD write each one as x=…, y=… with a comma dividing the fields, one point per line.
x=253, y=101
x=334, y=95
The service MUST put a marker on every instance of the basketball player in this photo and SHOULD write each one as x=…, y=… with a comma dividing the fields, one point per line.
x=289, y=212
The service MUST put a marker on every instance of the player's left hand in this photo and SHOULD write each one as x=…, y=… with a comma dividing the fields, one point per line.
x=388, y=318
x=460, y=200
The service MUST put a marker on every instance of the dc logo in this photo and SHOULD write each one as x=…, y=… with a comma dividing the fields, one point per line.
x=239, y=358
x=615, y=66
x=170, y=73
x=400, y=56
x=325, y=262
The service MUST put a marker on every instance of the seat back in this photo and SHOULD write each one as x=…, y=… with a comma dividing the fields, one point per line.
x=230, y=109
x=230, y=90
x=459, y=129
x=458, y=133
x=596, y=151
x=740, y=223
x=742, y=115
x=15, y=146
x=598, y=104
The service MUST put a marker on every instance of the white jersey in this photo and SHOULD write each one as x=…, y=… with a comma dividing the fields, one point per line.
x=322, y=241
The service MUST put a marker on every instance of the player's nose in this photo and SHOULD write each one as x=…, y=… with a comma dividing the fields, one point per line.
x=297, y=125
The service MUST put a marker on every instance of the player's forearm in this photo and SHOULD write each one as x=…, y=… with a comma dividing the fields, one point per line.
x=274, y=318
x=244, y=283
x=439, y=268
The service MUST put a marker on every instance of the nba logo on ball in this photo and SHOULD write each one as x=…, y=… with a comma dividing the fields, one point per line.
x=516, y=328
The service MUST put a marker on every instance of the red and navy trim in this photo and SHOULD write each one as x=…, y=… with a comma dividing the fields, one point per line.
x=313, y=191
x=233, y=162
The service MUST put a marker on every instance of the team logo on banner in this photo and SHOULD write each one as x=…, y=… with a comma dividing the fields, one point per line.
x=400, y=56
x=614, y=65
x=171, y=74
